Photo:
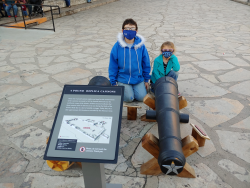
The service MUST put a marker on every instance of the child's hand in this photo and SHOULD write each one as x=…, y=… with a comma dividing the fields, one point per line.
x=146, y=85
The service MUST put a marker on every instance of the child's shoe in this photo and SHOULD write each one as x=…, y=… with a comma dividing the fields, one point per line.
x=9, y=16
x=15, y=16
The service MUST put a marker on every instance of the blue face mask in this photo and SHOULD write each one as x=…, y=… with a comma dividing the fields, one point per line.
x=129, y=34
x=167, y=54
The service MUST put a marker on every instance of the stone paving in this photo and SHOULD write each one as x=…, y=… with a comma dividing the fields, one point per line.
x=212, y=39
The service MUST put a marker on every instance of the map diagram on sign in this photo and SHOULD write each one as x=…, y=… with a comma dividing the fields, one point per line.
x=87, y=129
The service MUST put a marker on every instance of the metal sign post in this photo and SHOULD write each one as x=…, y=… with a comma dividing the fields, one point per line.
x=94, y=176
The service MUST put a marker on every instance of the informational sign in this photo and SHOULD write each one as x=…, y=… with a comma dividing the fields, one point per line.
x=87, y=125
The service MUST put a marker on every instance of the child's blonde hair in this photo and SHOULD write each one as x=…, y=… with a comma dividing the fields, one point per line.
x=169, y=44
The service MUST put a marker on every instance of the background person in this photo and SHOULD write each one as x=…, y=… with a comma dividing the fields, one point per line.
x=22, y=2
x=67, y=3
x=9, y=5
x=2, y=9
x=129, y=64
x=30, y=7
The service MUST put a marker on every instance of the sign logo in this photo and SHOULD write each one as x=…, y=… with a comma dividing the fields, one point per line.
x=82, y=149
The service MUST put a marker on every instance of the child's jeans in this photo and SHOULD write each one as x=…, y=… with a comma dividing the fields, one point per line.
x=171, y=74
x=25, y=13
x=135, y=91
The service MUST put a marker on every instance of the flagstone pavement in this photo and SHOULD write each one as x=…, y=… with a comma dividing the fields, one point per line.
x=212, y=39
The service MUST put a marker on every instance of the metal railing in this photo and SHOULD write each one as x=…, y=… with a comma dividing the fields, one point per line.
x=25, y=25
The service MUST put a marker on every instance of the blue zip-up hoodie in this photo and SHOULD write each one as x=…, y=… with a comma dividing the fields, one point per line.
x=129, y=65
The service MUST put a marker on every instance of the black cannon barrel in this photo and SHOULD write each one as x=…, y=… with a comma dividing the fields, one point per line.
x=171, y=158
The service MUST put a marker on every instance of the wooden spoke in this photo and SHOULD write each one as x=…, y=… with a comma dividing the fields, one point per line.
x=182, y=102
x=150, y=101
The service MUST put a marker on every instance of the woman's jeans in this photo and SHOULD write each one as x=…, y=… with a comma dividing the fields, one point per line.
x=67, y=2
x=133, y=91
x=171, y=74
x=88, y=1
x=8, y=7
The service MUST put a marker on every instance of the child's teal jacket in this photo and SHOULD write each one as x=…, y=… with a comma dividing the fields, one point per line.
x=158, y=69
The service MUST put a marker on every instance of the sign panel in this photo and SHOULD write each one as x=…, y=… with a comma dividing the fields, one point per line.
x=87, y=125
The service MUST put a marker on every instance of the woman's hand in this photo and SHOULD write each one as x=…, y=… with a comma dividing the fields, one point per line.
x=146, y=85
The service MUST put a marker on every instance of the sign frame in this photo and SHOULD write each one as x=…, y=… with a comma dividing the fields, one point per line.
x=84, y=159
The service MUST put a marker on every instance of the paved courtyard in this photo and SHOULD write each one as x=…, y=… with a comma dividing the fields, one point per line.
x=212, y=39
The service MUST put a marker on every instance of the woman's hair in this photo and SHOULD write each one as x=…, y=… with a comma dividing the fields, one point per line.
x=169, y=44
